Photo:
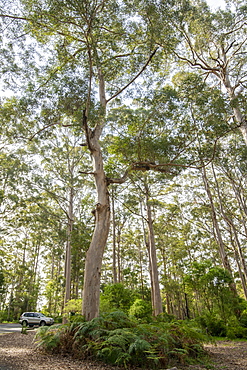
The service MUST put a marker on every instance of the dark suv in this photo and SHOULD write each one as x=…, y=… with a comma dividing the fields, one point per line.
x=35, y=318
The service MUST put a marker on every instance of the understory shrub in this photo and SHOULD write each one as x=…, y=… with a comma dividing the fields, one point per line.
x=141, y=309
x=116, y=339
x=243, y=318
x=4, y=316
x=234, y=329
x=116, y=297
x=215, y=326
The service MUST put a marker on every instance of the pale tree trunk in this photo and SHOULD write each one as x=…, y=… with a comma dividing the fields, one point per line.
x=157, y=301
x=146, y=243
x=114, y=268
x=239, y=117
x=238, y=191
x=219, y=67
x=141, y=269
x=93, y=263
x=168, y=298
x=222, y=252
x=119, y=260
x=238, y=258
x=239, y=254
x=67, y=271
x=236, y=244
x=94, y=256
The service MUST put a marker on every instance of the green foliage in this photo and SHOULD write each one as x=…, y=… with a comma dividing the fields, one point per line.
x=4, y=316
x=72, y=310
x=73, y=305
x=116, y=297
x=50, y=337
x=234, y=329
x=115, y=339
x=141, y=309
x=213, y=324
x=2, y=281
x=243, y=318
x=212, y=285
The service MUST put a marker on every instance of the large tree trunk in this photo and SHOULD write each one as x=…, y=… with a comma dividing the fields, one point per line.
x=94, y=256
x=91, y=291
x=93, y=263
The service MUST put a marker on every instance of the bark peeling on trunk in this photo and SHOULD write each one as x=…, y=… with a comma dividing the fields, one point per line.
x=94, y=256
x=94, y=262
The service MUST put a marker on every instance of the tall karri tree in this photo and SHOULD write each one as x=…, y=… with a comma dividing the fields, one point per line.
x=99, y=46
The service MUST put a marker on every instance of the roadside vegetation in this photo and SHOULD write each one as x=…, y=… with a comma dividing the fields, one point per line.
x=116, y=339
x=126, y=333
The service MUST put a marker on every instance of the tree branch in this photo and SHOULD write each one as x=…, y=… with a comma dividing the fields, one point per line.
x=133, y=79
x=44, y=128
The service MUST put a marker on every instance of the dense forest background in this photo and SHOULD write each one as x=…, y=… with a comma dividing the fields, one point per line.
x=161, y=88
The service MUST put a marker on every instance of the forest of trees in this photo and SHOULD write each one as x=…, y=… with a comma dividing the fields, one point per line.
x=123, y=148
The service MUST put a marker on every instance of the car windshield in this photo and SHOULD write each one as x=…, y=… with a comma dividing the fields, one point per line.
x=40, y=314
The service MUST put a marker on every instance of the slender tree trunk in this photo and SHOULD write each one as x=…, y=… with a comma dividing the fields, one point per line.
x=119, y=260
x=146, y=243
x=236, y=243
x=242, y=262
x=141, y=269
x=168, y=304
x=67, y=293
x=222, y=252
x=240, y=272
x=157, y=301
x=114, y=267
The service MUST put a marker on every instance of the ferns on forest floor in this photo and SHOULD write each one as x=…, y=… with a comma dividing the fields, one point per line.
x=115, y=339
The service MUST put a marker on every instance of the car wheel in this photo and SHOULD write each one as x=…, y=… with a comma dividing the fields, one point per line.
x=42, y=323
x=24, y=323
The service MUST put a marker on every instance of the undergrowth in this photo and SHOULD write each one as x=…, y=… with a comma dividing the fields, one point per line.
x=116, y=339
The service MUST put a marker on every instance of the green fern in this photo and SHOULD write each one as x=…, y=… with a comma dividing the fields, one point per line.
x=139, y=346
x=117, y=320
x=115, y=339
x=49, y=337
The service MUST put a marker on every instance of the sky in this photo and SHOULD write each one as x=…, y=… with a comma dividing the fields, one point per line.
x=214, y=4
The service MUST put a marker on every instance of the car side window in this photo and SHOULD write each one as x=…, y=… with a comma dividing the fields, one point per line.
x=36, y=315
